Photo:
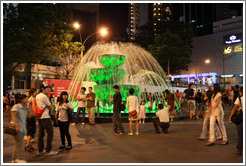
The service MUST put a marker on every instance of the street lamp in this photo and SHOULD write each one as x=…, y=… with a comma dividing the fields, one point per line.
x=207, y=61
x=102, y=32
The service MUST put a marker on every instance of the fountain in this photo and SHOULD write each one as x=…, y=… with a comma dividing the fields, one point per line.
x=124, y=64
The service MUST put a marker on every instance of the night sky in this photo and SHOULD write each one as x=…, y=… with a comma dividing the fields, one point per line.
x=115, y=17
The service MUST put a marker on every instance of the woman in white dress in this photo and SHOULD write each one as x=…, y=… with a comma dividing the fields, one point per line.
x=133, y=107
x=217, y=113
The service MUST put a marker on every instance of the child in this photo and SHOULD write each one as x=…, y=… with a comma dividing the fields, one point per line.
x=142, y=112
x=162, y=119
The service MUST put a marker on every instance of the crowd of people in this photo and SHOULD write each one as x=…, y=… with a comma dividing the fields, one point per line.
x=206, y=104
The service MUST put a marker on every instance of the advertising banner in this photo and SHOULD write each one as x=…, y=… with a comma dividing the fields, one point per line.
x=58, y=86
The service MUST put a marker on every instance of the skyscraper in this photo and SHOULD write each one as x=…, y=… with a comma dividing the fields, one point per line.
x=141, y=13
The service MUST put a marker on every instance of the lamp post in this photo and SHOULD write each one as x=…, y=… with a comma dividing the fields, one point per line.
x=103, y=32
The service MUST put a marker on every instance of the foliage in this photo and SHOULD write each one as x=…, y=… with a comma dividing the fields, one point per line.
x=32, y=31
x=168, y=40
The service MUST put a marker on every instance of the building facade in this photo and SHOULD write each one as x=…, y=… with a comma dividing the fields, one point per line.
x=218, y=56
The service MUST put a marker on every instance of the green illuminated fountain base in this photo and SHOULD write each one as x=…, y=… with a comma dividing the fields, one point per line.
x=103, y=94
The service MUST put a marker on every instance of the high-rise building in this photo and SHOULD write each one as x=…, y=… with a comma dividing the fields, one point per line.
x=202, y=15
x=141, y=13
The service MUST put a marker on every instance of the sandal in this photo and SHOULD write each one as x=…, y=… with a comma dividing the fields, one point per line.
x=223, y=142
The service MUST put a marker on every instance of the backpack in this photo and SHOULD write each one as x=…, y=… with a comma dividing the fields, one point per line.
x=36, y=110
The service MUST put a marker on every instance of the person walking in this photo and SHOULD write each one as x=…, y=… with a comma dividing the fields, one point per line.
x=116, y=99
x=206, y=120
x=18, y=116
x=90, y=98
x=81, y=106
x=31, y=121
x=132, y=106
x=162, y=119
x=217, y=113
x=44, y=121
x=238, y=104
x=62, y=118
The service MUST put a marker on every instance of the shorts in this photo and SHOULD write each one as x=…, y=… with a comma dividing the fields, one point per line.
x=191, y=105
x=134, y=118
x=31, y=126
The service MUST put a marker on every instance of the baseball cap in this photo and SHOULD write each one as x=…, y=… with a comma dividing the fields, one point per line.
x=44, y=85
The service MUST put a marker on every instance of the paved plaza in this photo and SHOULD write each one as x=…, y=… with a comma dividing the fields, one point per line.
x=95, y=144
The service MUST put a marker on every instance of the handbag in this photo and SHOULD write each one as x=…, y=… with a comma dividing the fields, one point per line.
x=237, y=117
x=133, y=113
x=10, y=129
x=122, y=107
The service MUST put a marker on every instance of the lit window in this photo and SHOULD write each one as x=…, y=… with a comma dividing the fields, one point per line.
x=159, y=19
x=154, y=3
x=154, y=9
x=154, y=14
x=159, y=14
x=131, y=17
x=154, y=23
x=159, y=3
x=154, y=29
x=159, y=8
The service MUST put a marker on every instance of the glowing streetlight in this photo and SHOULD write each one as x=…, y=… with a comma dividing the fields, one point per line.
x=103, y=32
x=76, y=25
x=207, y=61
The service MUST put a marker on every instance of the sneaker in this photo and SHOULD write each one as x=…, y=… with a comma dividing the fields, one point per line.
x=114, y=133
x=25, y=137
x=51, y=153
x=40, y=153
x=143, y=122
x=20, y=161
x=62, y=147
x=33, y=140
x=68, y=148
x=137, y=133
x=83, y=123
x=74, y=124
x=120, y=133
x=130, y=133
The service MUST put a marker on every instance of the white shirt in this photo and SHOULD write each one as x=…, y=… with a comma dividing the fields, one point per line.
x=237, y=102
x=63, y=116
x=81, y=103
x=42, y=102
x=163, y=115
x=132, y=103
x=219, y=109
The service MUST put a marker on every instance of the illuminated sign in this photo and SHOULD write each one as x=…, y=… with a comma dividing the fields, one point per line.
x=233, y=49
x=234, y=38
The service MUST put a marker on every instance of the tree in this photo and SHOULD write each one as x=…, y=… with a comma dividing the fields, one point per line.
x=66, y=53
x=168, y=41
x=30, y=30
